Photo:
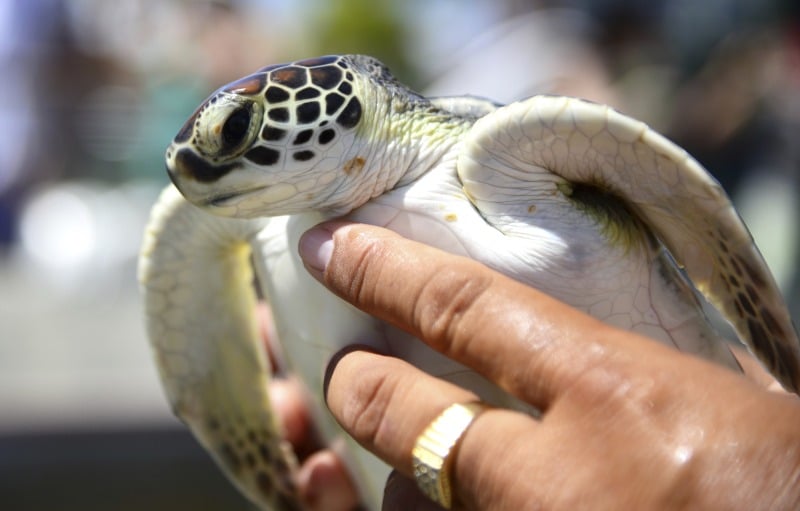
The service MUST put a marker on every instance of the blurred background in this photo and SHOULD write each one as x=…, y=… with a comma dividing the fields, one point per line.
x=92, y=91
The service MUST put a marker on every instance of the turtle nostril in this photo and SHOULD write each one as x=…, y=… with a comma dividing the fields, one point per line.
x=235, y=128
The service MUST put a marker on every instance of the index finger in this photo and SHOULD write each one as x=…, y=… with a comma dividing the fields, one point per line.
x=525, y=341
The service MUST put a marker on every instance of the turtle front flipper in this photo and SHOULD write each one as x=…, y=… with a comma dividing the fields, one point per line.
x=195, y=274
x=588, y=145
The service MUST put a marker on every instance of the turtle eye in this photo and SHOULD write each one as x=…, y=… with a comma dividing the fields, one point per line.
x=235, y=128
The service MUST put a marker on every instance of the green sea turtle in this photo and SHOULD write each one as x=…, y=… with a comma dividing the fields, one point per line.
x=568, y=196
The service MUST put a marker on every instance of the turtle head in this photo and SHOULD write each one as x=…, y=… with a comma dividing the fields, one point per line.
x=282, y=140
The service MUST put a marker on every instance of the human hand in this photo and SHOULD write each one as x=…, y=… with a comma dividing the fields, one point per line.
x=627, y=423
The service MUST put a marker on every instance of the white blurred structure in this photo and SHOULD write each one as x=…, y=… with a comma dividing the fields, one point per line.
x=72, y=346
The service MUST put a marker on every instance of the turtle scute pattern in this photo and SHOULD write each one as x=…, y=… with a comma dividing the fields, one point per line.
x=307, y=105
x=308, y=102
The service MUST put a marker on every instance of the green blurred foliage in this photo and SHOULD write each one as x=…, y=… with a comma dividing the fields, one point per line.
x=372, y=27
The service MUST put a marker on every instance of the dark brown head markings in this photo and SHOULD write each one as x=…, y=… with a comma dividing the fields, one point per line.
x=345, y=88
x=308, y=112
x=248, y=85
x=276, y=95
x=190, y=164
x=263, y=155
x=307, y=93
x=303, y=155
x=326, y=136
x=305, y=105
x=351, y=114
x=272, y=134
x=290, y=76
x=279, y=114
x=188, y=127
x=303, y=137
x=333, y=102
x=326, y=77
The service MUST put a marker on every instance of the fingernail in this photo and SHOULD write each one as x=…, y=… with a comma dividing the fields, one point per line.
x=337, y=357
x=316, y=248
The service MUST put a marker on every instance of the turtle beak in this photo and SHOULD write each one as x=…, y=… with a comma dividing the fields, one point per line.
x=185, y=165
x=171, y=163
x=192, y=174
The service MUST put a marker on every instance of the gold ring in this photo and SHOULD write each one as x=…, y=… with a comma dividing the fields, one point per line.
x=433, y=453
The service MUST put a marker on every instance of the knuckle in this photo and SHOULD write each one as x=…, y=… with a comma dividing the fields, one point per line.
x=355, y=270
x=446, y=303
x=366, y=411
x=622, y=392
x=367, y=276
